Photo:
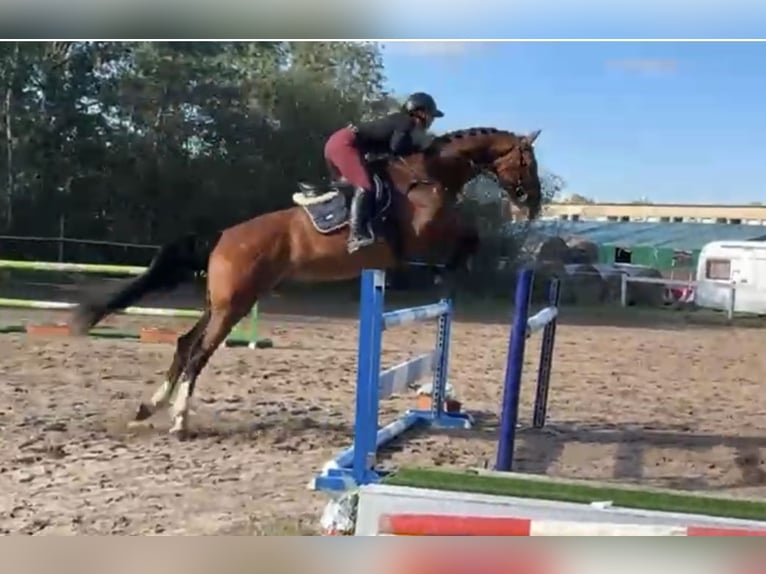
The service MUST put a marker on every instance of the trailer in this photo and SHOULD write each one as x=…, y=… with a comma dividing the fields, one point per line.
x=731, y=275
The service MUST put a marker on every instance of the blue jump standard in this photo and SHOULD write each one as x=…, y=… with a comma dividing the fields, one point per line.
x=523, y=327
x=355, y=465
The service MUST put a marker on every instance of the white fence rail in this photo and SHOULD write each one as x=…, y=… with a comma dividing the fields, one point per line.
x=72, y=267
x=61, y=242
x=625, y=279
x=77, y=241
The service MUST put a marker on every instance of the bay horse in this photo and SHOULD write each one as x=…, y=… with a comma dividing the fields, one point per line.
x=415, y=214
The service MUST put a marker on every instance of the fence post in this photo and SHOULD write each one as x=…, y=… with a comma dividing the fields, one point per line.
x=624, y=289
x=61, y=239
x=439, y=388
x=515, y=363
x=368, y=369
x=546, y=358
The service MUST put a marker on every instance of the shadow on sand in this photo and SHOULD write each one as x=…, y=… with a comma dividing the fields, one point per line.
x=538, y=451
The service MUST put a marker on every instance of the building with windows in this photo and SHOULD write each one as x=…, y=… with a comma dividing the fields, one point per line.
x=663, y=236
x=657, y=213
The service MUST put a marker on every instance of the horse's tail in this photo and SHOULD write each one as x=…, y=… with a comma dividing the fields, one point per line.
x=175, y=263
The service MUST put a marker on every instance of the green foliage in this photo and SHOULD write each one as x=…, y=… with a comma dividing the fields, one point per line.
x=142, y=141
x=493, y=269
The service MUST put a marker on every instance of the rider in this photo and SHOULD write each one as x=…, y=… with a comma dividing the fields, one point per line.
x=389, y=135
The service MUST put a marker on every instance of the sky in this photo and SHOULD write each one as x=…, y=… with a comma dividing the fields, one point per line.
x=670, y=122
x=568, y=18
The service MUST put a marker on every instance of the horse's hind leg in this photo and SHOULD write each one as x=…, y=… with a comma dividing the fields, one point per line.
x=221, y=321
x=184, y=346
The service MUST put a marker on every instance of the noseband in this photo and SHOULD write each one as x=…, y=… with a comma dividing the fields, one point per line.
x=487, y=169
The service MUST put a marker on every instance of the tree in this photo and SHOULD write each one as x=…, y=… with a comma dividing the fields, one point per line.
x=552, y=186
x=137, y=141
x=576, y=198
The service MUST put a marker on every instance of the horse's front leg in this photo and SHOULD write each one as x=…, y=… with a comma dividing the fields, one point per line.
x=466, y=246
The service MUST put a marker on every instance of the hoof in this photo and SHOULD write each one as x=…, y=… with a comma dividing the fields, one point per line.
x=143, y=412
x=138, y=425
x=180, y=434
x=180, y=429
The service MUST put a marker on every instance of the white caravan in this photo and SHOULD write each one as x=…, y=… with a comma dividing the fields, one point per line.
x=737, y=269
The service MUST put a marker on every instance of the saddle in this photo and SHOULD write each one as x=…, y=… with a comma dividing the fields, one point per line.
x=327, y=204
x=311, y=193
x=318, y=192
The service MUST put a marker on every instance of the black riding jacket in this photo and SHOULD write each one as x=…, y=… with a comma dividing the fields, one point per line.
x=391, y=134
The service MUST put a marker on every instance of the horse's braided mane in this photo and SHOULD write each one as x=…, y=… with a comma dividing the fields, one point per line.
x=438, y=143
x=469, y=132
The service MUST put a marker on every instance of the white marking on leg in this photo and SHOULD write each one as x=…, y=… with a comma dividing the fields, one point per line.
x=161, y=397
x=180, y=409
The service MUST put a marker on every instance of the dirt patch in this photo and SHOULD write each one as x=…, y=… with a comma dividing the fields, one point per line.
x=661, y=407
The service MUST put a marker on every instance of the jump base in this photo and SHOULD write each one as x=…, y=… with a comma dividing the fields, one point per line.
x=150, y=335
x=451, y=406
x=49, y=330
x=338, y=475
x=158, y=335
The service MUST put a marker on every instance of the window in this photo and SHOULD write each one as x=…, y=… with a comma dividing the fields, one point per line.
x=718, y=269
x=622, y=255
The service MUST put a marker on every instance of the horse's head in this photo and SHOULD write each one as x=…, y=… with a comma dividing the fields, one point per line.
x=507, y=157
x=515, y=166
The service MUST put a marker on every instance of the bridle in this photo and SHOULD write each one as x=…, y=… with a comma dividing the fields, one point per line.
x=488, y=170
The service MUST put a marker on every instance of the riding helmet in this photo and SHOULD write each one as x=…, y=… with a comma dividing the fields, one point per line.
x=421, y=101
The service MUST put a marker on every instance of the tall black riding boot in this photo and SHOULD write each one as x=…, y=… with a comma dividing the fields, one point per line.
x=360, y=232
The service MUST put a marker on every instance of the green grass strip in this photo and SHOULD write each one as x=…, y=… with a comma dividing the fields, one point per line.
x=12, y=329
x=562, y=491
x=111, y=333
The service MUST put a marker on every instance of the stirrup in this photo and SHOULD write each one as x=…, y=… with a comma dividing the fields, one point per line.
x=357, y=242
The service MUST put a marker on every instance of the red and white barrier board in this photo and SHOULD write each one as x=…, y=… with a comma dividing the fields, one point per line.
x=452, y=525
x=403, y=511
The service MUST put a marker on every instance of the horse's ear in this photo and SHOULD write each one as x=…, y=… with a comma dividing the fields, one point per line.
x=532, y=136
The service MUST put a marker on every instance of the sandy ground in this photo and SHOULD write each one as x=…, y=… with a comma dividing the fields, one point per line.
x=658, y=406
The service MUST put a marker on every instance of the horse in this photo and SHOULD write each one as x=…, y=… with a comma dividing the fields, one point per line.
x=415, y=213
